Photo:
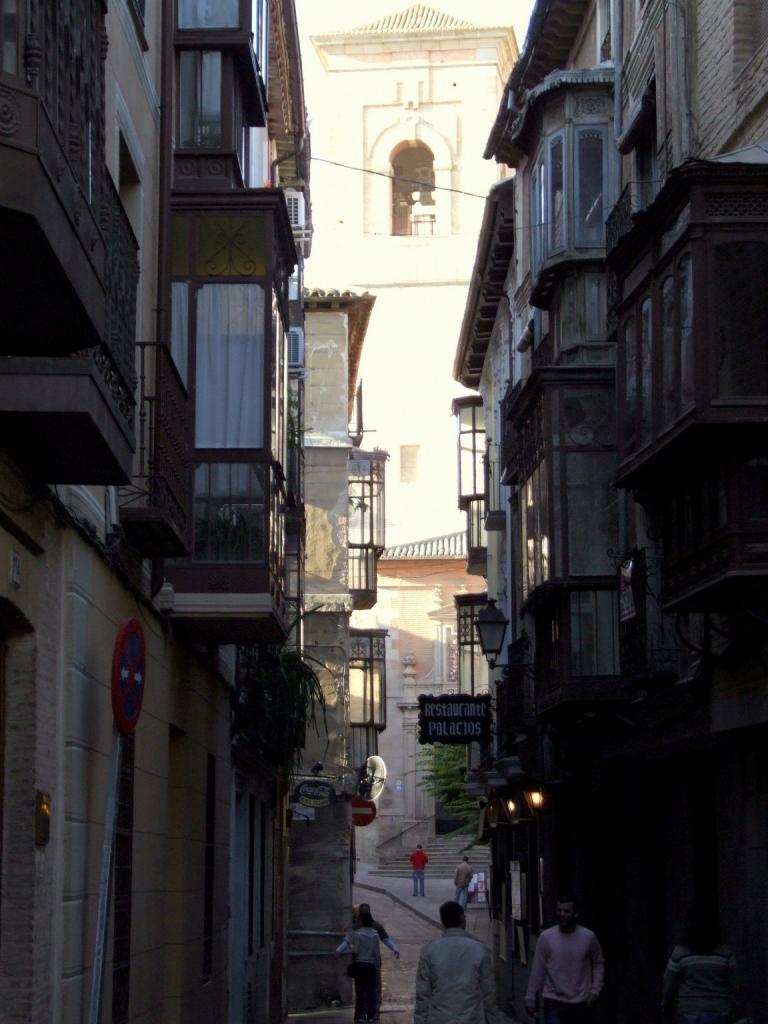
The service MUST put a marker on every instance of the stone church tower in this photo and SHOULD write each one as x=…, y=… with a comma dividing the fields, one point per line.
x=401, y=105
x=399, y=110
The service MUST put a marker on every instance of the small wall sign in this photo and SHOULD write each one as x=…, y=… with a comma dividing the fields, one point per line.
x=455, y=719
x=314, y=793
x=129, y=664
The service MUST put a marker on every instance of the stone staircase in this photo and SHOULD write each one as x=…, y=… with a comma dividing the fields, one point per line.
x=444, y=854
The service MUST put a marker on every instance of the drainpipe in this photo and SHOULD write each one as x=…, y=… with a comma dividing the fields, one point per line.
x=162, y=327
x=617, y=35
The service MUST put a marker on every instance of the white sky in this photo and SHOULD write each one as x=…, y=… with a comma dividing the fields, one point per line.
x=318, y=16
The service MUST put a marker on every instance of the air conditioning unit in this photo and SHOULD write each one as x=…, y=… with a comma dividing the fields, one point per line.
x=295, y=347
x=296, y=208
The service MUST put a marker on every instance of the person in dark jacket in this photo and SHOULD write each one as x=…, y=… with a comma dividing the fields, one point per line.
x=699, y=982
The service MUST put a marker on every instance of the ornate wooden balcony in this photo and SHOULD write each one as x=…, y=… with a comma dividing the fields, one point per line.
x=690, y=307
x=153, y=507
x=68, y=414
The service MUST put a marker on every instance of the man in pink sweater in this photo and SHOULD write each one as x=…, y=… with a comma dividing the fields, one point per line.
x=567, y=970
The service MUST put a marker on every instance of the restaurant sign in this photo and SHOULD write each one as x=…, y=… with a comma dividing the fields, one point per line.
x=314, y=793
x=455, y=718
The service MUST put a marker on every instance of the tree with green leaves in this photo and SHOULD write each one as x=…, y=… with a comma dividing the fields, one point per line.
x=444, y=768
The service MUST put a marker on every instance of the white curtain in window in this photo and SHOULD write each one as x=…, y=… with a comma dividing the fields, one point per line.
x=208, y=14
x=229, y=389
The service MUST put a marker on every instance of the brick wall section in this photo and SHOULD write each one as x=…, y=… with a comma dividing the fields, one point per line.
x=730, y=79
x=20, y=955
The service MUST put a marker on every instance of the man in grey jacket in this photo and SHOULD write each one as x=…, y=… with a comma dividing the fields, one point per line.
x=454, y=980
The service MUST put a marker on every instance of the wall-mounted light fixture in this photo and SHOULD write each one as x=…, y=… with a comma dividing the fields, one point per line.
x=535, y=800
x=491, y=625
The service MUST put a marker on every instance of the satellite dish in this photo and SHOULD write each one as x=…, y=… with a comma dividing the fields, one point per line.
x=376, y=775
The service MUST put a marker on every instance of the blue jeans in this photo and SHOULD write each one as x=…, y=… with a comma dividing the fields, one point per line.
x=418, y=881
x=461, y=894
x=556, y=1012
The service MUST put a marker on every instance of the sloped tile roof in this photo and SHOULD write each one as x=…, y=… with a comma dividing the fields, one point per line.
x=450, y=545
x=417, y=18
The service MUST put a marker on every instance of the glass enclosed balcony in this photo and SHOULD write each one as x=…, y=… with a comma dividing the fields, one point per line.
x=366, y=523
x=473, y=670
x=368, y=678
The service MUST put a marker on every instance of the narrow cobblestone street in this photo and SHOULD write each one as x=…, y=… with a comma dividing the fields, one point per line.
x=411, y=922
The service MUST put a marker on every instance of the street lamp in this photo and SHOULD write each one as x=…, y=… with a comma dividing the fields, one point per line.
x=491, y=627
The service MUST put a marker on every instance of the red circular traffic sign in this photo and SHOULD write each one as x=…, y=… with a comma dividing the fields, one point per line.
x=363, y=811
x=129, y=663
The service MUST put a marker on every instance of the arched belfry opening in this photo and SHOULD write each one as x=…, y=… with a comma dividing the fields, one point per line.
x=413, y=184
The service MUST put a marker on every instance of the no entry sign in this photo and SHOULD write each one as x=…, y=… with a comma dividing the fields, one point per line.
x=363, y=811
x=129, y=662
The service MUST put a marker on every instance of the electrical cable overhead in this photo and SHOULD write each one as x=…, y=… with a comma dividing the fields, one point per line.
x=426, y=185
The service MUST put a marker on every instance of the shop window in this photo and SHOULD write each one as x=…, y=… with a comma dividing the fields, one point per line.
x=200, y=124
x=741, y=318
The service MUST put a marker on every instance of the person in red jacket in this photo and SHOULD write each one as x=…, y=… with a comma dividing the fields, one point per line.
x=419, y=861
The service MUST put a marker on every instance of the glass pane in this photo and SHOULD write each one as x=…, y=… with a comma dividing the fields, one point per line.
x=590, y=217
x=741, y=315
x=556, y=196
x=687, y=376
x=534, y=520
x=231, y=247
x=668, y=353
x=592, y=519
x=229, y=382
x=595, y=308
x=379, y=710
x=179, y=245
x=594, y=618
x=357, y=709
x=200, y=99
x=9, y=35
x=229, y=512
x=208, y=14
x=180, y=326
x=630, y=383
x=538, y=179
x=646, y=372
